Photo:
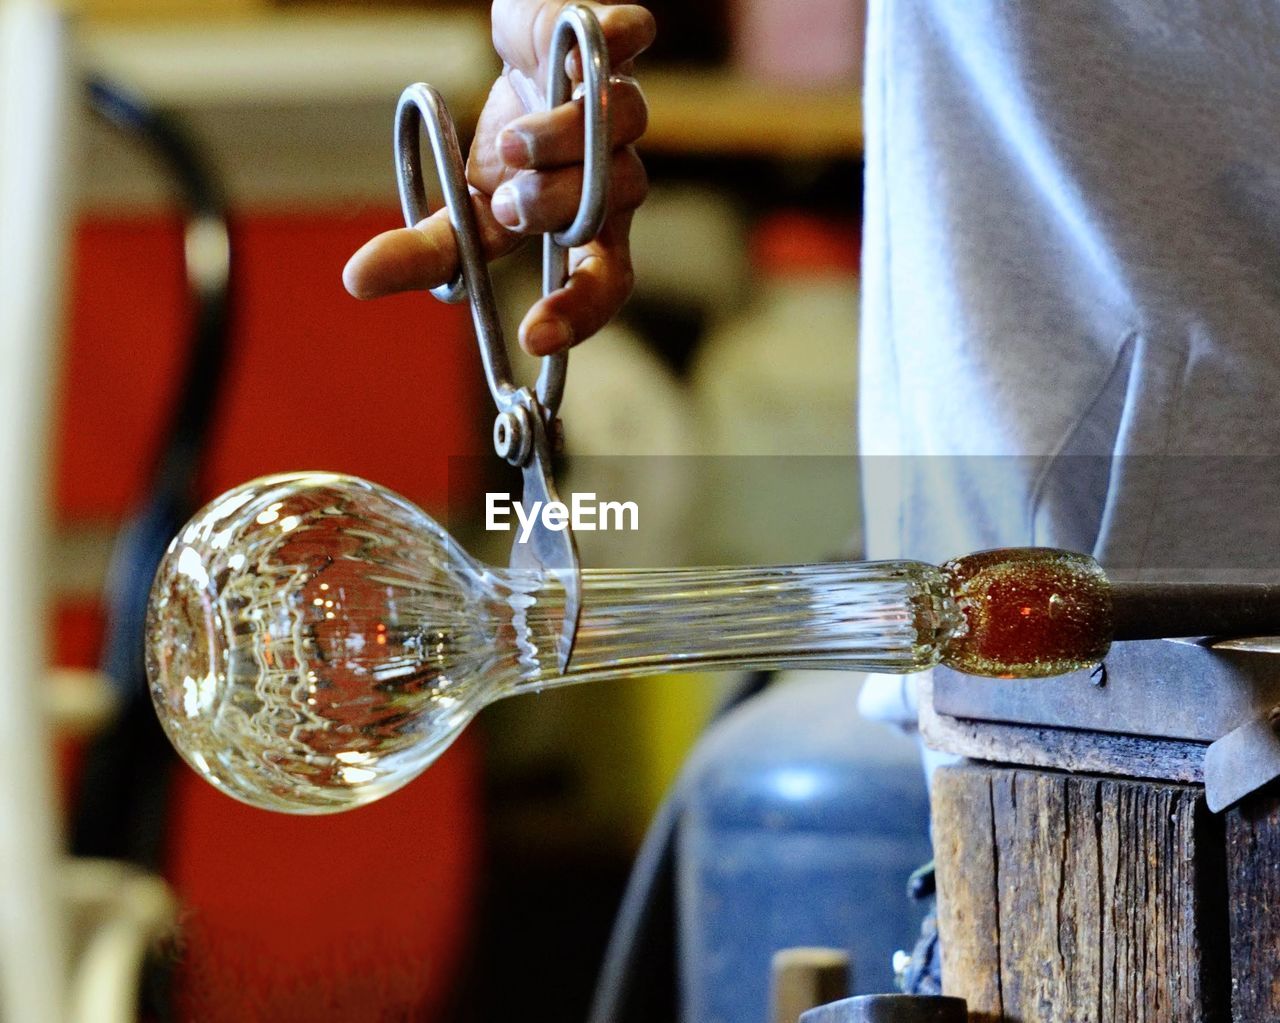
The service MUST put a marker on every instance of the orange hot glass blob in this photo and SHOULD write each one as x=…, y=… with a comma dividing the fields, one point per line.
x=1029, y=612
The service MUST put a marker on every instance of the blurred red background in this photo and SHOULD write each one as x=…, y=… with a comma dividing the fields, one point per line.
x=357, y=916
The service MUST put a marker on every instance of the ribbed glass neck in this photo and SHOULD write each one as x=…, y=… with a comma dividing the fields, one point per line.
x=877, y=616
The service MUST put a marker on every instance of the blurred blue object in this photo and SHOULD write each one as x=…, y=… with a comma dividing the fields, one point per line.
x=801, y=825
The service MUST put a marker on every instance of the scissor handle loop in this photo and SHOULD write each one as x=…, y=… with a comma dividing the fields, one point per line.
x=422, y=107
x=578, y=24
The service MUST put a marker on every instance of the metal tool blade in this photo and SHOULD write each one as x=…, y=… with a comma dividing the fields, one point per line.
x=554, y=553
x=1241, y=762
x=1153, y=688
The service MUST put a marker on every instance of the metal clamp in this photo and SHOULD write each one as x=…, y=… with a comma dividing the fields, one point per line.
x=1215, y=702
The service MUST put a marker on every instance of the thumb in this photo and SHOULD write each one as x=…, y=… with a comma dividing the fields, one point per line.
x=522, y=31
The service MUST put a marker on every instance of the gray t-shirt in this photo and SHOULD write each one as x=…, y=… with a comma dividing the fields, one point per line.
x=1072, y=264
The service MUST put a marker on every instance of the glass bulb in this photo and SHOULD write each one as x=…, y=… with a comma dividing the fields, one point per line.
x=316, y=641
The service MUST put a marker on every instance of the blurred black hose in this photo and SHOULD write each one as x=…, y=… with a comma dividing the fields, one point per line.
x=638, y=980
x=121, y=808
x=171, y=490
x=123, y=797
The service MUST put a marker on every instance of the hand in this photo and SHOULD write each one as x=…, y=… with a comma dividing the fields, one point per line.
x=525, y=171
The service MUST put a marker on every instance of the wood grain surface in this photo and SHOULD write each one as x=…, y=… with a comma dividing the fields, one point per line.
x=1253, y=880
x=1068, y=898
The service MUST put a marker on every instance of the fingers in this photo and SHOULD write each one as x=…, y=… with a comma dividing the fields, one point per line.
x=522, y=30
x=423, y=256
x=600, y=281
x=531, y=165
x=485, y=169
x=628, y=31
x=534, y=202
x=553, y=138
x=411, y=259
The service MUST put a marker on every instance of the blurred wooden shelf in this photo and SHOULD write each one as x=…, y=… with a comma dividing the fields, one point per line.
x=296, y=106
x=720, y=113
x=295, y=57
x=291, y=107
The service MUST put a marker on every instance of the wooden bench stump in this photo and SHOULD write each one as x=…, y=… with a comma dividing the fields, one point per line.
x=1253, y=899
x=1084, y=899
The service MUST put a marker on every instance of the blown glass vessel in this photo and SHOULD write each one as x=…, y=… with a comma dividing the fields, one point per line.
x=316, y=641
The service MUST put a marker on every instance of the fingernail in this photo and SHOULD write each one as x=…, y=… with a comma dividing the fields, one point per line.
x=515, y=147
x=548, y=336
x=351, y=279
x=506, y=206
